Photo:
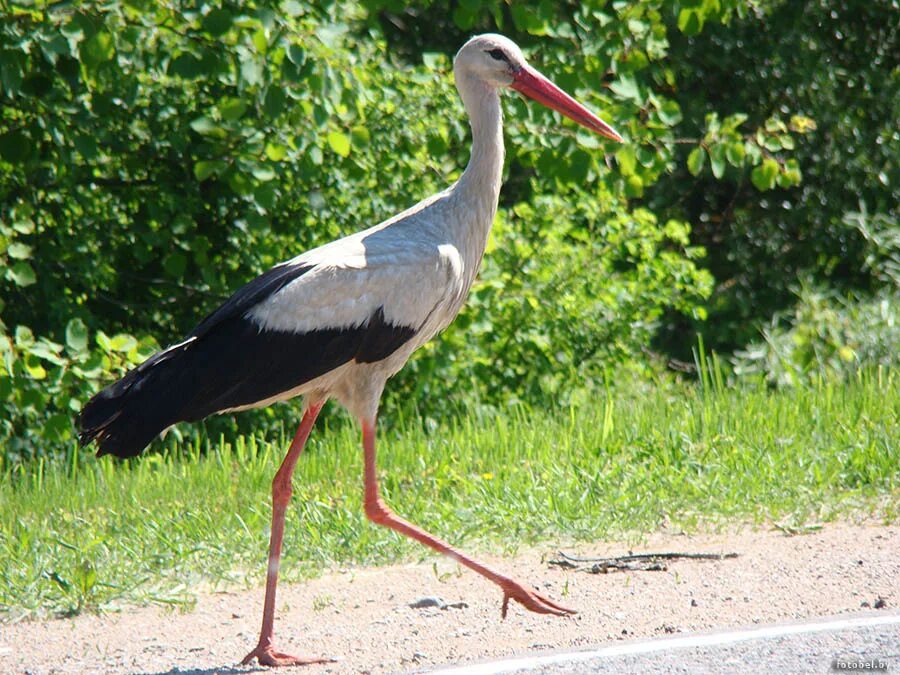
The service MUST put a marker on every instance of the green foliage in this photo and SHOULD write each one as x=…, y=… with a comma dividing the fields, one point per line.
x=825, y=335
x=172, y=151
x=548, y=332
x=817, y=84
x=762, y=124
x=154, y=157
x=726, y=146
x=43, y=384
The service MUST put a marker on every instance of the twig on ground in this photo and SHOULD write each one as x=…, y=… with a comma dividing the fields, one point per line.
x=642, y=562
x=793, y=530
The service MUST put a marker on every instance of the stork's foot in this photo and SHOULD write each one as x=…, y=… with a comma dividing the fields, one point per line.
x=267, y=656
x=531, y=600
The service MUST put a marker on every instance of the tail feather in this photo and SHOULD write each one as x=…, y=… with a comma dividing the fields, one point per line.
x=235, y=365
x=127, y=415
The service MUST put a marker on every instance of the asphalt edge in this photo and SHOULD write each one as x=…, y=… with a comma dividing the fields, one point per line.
x=702, y=639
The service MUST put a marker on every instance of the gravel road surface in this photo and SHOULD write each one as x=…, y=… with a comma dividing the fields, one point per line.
x=366, y=617
x=831, y=644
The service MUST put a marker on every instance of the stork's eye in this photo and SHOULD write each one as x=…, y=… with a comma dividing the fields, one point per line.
x=498, y=54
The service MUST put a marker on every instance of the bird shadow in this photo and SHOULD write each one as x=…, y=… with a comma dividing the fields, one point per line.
x=221, y=670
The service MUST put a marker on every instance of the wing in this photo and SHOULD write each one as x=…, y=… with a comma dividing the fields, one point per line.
x=343, y=288
x=304, y=318
x=359, y=299
x=250, y=295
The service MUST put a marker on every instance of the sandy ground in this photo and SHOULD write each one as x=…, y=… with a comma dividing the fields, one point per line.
x=364, y=617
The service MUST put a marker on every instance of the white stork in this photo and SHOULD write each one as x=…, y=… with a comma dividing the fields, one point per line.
x=338, y=321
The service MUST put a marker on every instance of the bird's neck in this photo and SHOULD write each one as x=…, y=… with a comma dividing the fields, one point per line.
x=481, y=179
x=478, y=189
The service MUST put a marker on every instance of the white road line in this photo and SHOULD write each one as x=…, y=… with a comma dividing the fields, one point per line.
x=650, y=646
x=5, y=650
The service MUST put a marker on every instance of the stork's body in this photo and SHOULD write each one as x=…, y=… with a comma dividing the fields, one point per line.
x=339, y=320
x=411, y=274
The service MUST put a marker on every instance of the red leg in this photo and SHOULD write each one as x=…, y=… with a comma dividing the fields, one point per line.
x=378, y=512
x=281, y=494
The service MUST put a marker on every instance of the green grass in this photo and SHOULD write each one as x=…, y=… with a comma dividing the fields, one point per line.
x=86, y=533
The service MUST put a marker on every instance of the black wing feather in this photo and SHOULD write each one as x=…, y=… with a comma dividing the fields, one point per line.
x=247, y=297
x=228, y=361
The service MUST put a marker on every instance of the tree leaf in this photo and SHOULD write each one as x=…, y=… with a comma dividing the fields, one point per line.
x=22, y=274
x=48, y=351
x=239, y=182
x=274, y=101
x=24, y=336
x=646, y=156
x=296, y=55
x=23, y=224
x=260, y=41
x=634, y=187
x=15, y=147
x=763, y=176
x=276, y=152
x=175, y=264
x=792, y=172
x=217, y=22
x=252, y=70
x=262, y=173
x=12, y=70
x=187, y=65
x=103, y=341
x=19, y=251
x=206, y=168
x=689, y=22
x=232, y=108
x=339, y=142
x=802, y=124
x=34, y=368
x=292, y=8
x=97, y=49
x=637, y=27
x=205, y=126
x=432, y=60
x=76, y=335
x=627, y=160
x=266, y=195
x=360, y=136
x=696, y=160
x=627, y=87
x=123, y=342
x=717, y=160
x=734, y=152
x=670, y=113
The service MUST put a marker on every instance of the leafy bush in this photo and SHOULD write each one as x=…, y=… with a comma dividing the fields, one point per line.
x=568, y=292
x=43, y=384
x=156, y=156
x=826, y=67
x=825, y=335
x=153, y=157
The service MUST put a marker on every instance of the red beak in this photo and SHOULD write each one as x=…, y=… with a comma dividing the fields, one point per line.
x=530, y=82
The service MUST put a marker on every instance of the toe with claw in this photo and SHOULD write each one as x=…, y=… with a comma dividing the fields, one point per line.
x=267, y=656
x=531, y=600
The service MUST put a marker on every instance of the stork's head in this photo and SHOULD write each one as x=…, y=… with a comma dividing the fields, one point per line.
x=498, y=62
x=491, y=58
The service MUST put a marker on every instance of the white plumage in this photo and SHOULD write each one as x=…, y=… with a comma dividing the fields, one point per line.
x=417, y=267
x=339, y=320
